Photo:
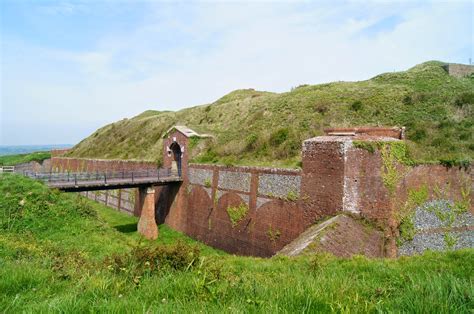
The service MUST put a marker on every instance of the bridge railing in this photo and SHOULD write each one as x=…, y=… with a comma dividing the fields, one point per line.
x=7, y=169
x=102, y=176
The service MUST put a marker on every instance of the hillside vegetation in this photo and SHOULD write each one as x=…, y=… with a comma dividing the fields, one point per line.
x=63, y=253
x=253, y=127
x=10, y=160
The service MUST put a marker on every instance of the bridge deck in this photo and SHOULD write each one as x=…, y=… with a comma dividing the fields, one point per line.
x=92, y=181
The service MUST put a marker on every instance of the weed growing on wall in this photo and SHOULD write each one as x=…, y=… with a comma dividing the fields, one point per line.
x=450, y=240
x=273, y=234
x=292, y=196
x=207, y=183
x=237, y=213
x=446, y=211
x=416, y=198
x=390, y=174
x=367, y=145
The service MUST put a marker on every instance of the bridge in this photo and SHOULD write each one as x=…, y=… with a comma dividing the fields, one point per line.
x=144, y=180
x=106, y=180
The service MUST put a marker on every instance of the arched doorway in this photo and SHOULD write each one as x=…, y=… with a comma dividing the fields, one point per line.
x=176, y=161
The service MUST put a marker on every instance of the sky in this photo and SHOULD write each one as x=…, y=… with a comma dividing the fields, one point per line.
x=70, y=67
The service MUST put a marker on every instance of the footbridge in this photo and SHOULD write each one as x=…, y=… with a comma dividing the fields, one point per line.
x=93, y=181
x=144, y=180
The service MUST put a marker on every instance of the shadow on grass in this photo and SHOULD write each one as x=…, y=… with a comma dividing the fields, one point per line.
x=128, y=228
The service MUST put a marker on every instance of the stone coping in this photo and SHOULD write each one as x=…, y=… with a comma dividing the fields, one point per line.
x=247, y=169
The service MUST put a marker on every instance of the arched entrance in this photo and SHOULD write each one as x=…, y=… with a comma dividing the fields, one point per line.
x=176, y=161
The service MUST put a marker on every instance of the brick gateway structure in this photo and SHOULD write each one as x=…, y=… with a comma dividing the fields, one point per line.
x=257, y=211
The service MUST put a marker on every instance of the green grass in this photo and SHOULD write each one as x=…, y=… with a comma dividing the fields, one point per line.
x=261, y=128
x=61, y=253
x=11, y=160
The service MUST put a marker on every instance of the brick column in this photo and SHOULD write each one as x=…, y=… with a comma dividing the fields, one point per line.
x=147, y=223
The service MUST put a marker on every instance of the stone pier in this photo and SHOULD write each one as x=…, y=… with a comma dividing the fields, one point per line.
x=147, y=223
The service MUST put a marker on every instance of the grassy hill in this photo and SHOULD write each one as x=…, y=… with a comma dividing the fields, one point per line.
x=10, y=160
x=253, y=127
x=63, y=253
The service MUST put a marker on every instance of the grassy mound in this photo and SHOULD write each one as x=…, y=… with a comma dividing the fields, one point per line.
x=11, y=160
x=261, y=128
x=61, y=253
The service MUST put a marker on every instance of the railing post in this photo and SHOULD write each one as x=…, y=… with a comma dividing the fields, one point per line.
x=75, y=179
x=68, y=176
x=105, y=177
x=132, y=176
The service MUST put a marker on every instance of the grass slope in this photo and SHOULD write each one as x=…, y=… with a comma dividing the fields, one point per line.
x=62, y=253
x=11, y=160
x=252, y=127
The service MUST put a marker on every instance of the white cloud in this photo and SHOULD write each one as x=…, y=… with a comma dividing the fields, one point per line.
x=177, y=59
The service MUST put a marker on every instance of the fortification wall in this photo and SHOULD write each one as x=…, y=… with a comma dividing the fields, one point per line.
x=62, y=164
x=391, y=195
x=34, y=166
x=120, y=199
x=257, y=211
x=243, y=210
x=459, y=70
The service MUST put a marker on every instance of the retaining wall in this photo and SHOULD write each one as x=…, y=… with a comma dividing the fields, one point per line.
x=121, y=199
x=459, y=70
x=268, y=197
x=44, y=166
x=277, y=205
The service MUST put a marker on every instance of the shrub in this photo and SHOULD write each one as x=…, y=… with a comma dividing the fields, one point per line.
x=356, y=105
x=251, y=141
x=466, y=98
x=150, y=260
x=407, y=100
x=209, y=156
x=279, y=136
x=418, y=135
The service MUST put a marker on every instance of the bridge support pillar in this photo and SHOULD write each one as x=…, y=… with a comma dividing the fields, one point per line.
x=147, y=223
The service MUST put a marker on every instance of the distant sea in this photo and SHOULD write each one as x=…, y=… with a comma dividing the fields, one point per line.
x=25, y=149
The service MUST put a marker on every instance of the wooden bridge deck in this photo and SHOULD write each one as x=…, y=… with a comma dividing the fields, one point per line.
x=92, y=181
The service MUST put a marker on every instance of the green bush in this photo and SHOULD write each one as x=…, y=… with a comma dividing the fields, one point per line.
x=356, y=105
x=251, y=142
x=466, y=98
x=150, y=260
x=279, y=136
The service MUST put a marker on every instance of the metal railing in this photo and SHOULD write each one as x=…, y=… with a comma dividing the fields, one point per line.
x=103, y=177
x=7, y=169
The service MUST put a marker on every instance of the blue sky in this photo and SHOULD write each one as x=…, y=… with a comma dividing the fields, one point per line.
x=69, y=67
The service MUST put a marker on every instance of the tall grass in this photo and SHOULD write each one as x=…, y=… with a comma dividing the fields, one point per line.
x=67, y=255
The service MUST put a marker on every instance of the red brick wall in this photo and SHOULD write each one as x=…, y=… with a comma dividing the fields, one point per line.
x=182, y=141
x=322, y=179
x=262, y=232
x=62, y=164
x=366, y=194
x=336, y=177
x=59, y=152
x=395, y=132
